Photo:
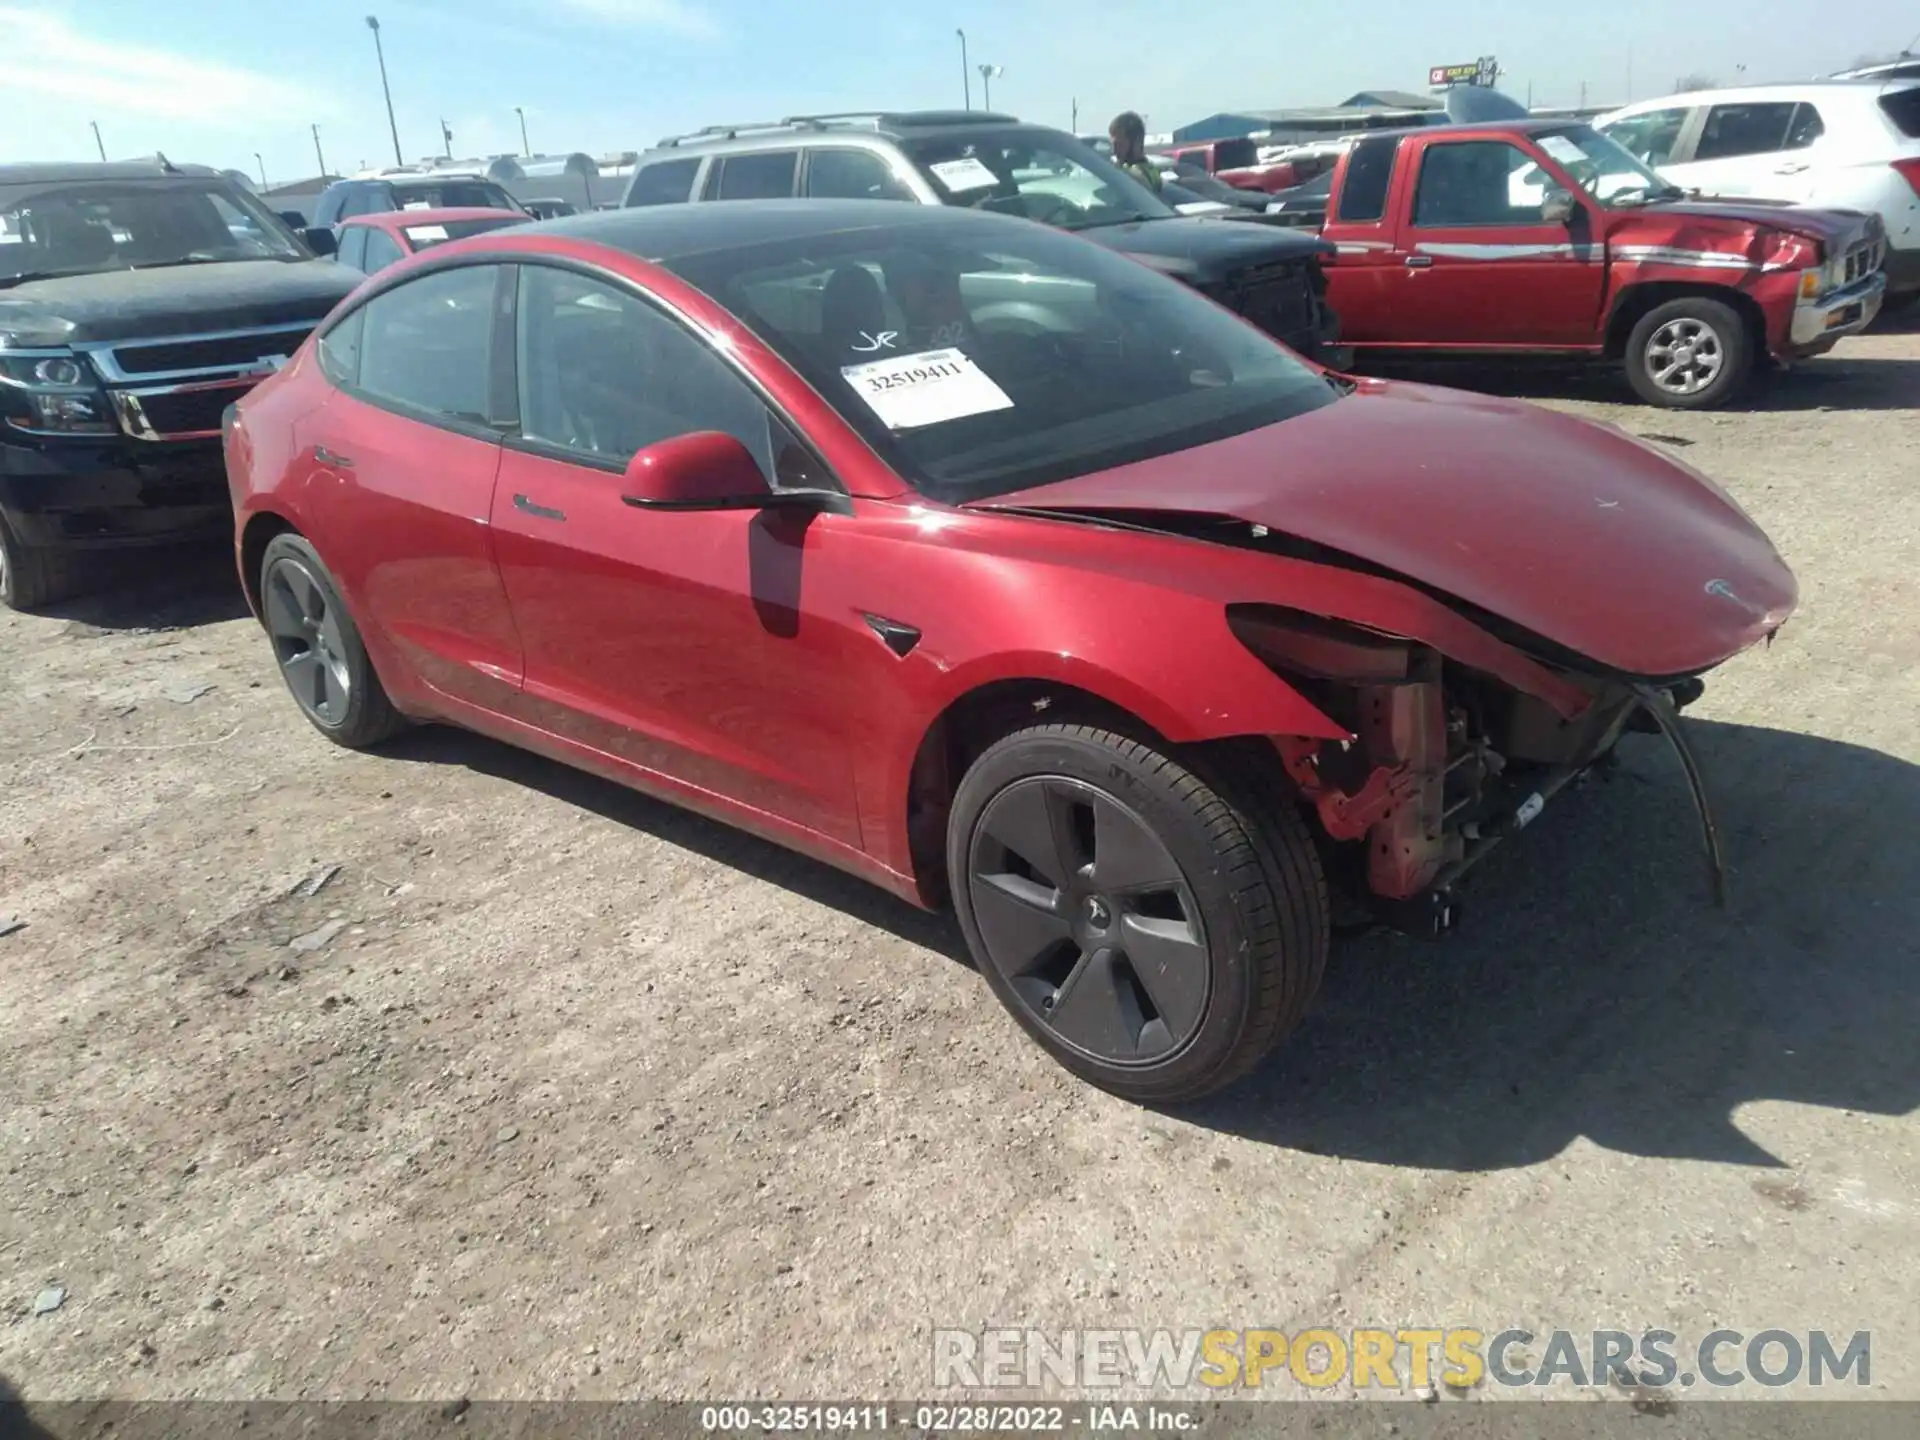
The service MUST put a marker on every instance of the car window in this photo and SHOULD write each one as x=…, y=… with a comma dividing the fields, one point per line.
x=439, y=232
x=603, y=374
x=1754, y=128
x=668, y=183
x=381, y=250
x=353, y=247
x=425, y=344
x=72, y=229
x=1036, y=175
x=1477, y=182
x=852, y=175
x=340, y=349
x=367, y=200
x=1902, y=107
x=981, y=358
x=326, y=210
x=766, y=176
x=1235, y=154
x=1363, y=196
x=1805, y=128
x=1649, y=138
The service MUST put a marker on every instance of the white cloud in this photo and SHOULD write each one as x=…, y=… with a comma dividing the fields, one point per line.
x=676, y=17
x=45, y=56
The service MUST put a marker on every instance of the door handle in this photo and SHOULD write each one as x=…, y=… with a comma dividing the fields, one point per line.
x=327, y=457
x=1794, y=169
x=521, y=502
x=1419, y=262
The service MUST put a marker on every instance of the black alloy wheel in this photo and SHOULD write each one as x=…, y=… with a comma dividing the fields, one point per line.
x=318, y=647
x=1089, y=919
x=1155, y=918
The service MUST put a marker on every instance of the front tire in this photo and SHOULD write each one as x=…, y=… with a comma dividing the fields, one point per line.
x=1155, y=923
x=1689, y=354
x=31, y=575
x=318, y=648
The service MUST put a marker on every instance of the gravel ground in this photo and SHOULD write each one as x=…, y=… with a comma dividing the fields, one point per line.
x=551, y=1091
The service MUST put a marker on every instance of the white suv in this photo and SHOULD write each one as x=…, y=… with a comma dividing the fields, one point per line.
x=1840, y=144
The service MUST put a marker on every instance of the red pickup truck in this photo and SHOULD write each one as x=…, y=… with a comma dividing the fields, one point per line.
x=1237, y=163
x=1545, y=237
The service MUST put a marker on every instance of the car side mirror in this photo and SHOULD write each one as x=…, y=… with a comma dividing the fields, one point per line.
x=707, y=470
x=321, y=240
x=295, y=220
x=1558, y=207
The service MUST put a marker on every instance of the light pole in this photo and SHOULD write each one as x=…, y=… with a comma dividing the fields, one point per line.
x=322, y=159
x=966, y=73
x=373, y=24
x=97, y=140
x=525, y=149
x=263, y=170
x=987, y=74
x=446, y=136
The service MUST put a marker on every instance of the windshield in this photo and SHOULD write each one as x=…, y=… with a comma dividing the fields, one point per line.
x=1035, y=174
x=980, y=358
x=80, y=229
x=452, y=195
x=439, y=232
x=1601, y=166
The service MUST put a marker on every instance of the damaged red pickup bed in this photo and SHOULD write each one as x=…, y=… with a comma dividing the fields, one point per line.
x=991, y=566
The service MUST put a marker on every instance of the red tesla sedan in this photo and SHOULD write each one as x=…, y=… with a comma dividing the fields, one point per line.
x=991, y=566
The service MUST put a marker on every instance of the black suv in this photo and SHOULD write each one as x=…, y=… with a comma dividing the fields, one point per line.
x=344, y=199
x=1272, y=276
x=137, y=301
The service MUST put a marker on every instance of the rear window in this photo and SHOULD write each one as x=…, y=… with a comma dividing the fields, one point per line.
x=668, y=183
x=1903, y=109
x=1363, y=196
x=452, y=195
x=1235, y=154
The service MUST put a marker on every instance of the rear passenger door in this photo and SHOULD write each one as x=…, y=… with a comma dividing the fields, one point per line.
x=1364, y=277
x=850, y=174
x=1760, y=149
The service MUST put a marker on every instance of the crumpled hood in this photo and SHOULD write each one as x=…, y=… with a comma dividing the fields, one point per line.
x=1571, y=530
x=176, y=299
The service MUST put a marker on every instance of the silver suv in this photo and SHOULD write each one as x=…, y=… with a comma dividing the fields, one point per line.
x=995, y=162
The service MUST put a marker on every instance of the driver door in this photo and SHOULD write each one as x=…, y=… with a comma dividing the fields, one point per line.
x=1481, y=266
x=676, y=643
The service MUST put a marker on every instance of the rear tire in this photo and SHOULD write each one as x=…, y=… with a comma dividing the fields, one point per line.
x=318, y=648
x=35, y=575
x=1156, y=922
x=1690, y=354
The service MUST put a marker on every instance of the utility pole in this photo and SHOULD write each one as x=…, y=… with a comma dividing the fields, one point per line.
x=322, y=159
x=446, y=137
x=1583, y=94
x=966, y=74
x=373, y=24
x=525, y=149
x=1075, y=126
x=101, y=144
x=987, y=73
x=263, y=170
x=1629, y=72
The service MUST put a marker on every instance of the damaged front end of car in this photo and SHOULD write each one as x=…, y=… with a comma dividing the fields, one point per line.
x=1445, y=762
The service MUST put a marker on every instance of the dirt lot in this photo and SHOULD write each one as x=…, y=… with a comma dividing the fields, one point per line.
x=560, y=1092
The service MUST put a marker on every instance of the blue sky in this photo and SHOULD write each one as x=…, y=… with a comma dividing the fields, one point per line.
x=217, y=80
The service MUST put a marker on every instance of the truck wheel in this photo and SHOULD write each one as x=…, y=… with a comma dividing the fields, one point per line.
x=34, y=575
x=319, y=650
x=1157, y=930
x=1689, y=354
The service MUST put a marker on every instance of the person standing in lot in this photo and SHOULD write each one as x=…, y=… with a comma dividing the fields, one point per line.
x=1128, y=132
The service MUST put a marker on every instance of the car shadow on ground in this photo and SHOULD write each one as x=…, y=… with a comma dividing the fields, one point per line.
x=1593, y=989
x=776, y=865
x=1595, y=992
x=1841, y=381
x=169, y=588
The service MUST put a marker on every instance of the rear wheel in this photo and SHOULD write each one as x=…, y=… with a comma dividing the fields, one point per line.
x=1155, y=928
x=1689, y=354
x=34, y=575
x=319, y=650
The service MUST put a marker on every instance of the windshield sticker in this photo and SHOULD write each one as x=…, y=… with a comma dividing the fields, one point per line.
x=426, y=232
x=869, y=344
x=967, y=174
x=417, y=205
x=911, y=391
x=1563, y=149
